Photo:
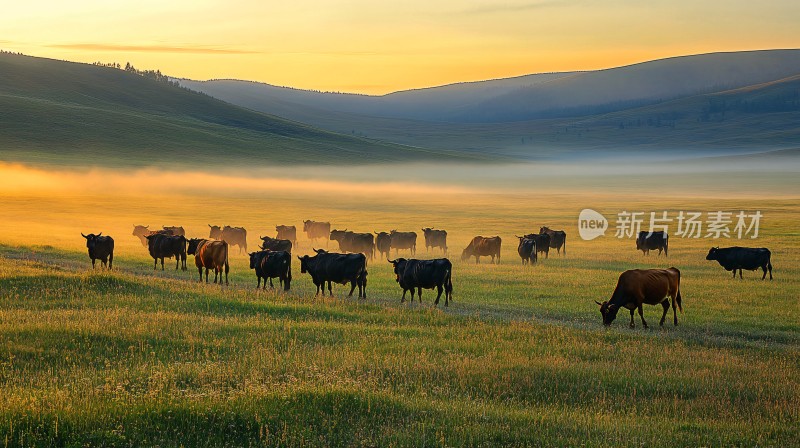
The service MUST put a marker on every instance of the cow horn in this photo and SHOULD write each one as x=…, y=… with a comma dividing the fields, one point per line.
x=392, y=261
x=598, y=303
x=147, y=226
x=99, y=233
x=84, y=236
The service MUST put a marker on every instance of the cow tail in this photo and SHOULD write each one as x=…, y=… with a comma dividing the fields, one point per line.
x=449, y=283
x=227, y=266
x=678, y=299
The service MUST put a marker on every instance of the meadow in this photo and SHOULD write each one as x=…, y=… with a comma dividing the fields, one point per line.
x=136, y=357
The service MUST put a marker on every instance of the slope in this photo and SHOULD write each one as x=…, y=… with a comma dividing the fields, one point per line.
x=61, y=112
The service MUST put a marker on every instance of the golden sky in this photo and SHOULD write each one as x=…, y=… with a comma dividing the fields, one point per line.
x=373, y=46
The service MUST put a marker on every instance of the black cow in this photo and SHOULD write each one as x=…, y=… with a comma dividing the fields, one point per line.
x=647, y=241
x=750, y=258
x=383, y=242
x=164, y=246
x=435, y=238
x=644, y=286
x=527, y=250
x=336, y=268
x=270, y=264
x=100, y=248
x=275, y=244
x=403, y=240
x=542, y=241
x=558, y=239
x=428, y=274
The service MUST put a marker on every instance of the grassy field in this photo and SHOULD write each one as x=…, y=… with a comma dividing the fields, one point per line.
x=134, y=357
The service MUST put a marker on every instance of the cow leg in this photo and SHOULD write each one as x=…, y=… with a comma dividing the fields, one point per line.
x=419, y=294
x=641, y=314
x=477, y=259
x=93, y=260
x=439, y=290
x=258, y=286
x=352, y=287
x=764, y=268
x=206, y=276
x=271, y=285
x=111, y=261
x=665, y=304
x=769, y=266
x=403, y=299
x=734, y=273
x=412, y=294
x=177, y=262
x=740, y=273
x=162, y=263
x=632, y=325
x=330, y=288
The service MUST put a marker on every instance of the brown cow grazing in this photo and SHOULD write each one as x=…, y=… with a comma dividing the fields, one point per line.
x=558, y=239
x=316, y=230
x=435, y=238
x=644, y=286
x=481, y=246
x=176, y=230
x=383, y=242
x=141, y=232
x=287, y=233
x=100, y=248
x=235, y=236
x=403, y=240
x=210, y=255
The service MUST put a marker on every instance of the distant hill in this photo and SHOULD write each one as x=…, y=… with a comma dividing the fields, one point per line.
x=752, y=118
x=62, y=112
x=540, y=96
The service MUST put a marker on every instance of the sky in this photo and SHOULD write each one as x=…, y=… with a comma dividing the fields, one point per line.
x=376, y=47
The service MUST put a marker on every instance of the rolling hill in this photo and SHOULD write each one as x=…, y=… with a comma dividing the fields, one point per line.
x=61, y=112
x=759, y=111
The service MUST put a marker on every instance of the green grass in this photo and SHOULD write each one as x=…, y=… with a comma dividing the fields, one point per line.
x=136, y=357
x=55, y=112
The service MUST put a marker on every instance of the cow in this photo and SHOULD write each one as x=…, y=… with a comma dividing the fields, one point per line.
x=355, y=242
x=176, y=230
x=235, y=236
x=215, y=232
x=542, y=241
x=428, y=274
x=100, y=248
x=435, y=238
x=336, y=268
x=287, y=233
x=315, y=230
x=482, y=246
x=647, y=241
x=210, y=255
x=527, y=250
x=644, y=286
x=383, y=242
x=750, y=258
x=275, y=244
x=163, y=246
x=141, y=232
x=558, y=239
x=269, y=264
x=403, y=240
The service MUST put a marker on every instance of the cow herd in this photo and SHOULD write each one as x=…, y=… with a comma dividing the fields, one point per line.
x=634, y=287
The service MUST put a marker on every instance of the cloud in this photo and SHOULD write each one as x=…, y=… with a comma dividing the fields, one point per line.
x=151, y=48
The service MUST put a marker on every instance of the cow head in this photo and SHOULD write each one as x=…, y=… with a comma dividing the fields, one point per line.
x=712, y=254
x=465, y=254
x=304, y=263
x=543, y=229
x=255, y=258
x=307, y=225
x=427, y=230
x=608, y=311
x=194, y=243
x=337, y=235
x=215, y=232
x=399, y=266
x=91, y=240
x=140, y=230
